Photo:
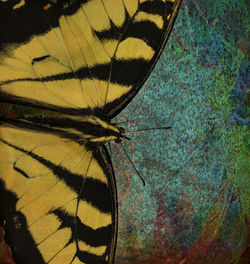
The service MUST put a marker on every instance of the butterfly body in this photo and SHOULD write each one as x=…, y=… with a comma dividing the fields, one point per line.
x=67, y=69
x=84, y=128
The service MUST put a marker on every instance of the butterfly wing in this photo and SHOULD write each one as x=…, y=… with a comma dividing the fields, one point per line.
x=58, y=198
x=82, y=56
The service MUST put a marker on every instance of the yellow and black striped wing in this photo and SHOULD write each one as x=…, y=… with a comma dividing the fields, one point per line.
x=58, y=198
x=81, y=56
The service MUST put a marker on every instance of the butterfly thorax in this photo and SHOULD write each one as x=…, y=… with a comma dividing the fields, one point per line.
x=82, y=128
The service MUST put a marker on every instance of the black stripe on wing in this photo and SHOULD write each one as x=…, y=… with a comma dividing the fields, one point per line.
x=23, y=101
x=39, y=128
x=93, y=237
x=142, y=30
x=121, y=69
x=90, y=258
x=157, y=7
x=86, y=128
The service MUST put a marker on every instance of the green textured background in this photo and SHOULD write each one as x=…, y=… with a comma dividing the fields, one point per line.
x=194, y=207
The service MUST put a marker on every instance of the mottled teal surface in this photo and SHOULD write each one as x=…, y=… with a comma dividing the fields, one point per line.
x=195, y=204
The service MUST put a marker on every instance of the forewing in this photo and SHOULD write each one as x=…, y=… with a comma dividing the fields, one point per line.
x=85, y=56
x=58, y=199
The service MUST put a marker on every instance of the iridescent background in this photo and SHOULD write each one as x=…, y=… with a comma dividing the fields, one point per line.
x=195, y=205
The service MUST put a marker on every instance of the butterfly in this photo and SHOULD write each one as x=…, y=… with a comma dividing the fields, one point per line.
x=67, y=68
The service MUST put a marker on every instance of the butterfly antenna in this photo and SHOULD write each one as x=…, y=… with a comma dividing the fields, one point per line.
x=123, y=122
x=143, y=182
x=148, y=128
x=110, y=149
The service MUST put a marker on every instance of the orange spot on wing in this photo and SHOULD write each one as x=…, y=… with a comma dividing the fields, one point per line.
x=46, y=7
x=20, y=4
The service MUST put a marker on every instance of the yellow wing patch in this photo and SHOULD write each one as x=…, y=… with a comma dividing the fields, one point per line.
x=86, y=47
x=55, y=243
x=115, y=10
x=77, y=261
x=49, y=67
x=99, y=251
x=49, y=200
x=132, y=48
x=92, y=8
x=131, y=6
x=156, y=19
x=60, y=93
x=43, y=228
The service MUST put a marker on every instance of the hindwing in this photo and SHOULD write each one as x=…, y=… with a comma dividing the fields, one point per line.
x=58, y=198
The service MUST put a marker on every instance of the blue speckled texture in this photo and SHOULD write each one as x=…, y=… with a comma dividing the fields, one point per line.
x=194, y=207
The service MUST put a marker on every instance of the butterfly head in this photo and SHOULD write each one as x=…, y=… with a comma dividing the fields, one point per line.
x=122, y=135
x=107, y=131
